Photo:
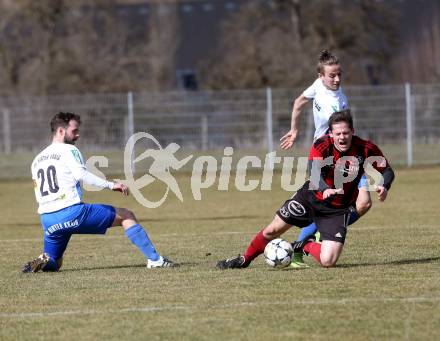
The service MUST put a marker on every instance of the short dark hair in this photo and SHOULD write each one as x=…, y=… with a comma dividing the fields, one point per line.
x=340, y=116
x=326, y=58
x=62, y=119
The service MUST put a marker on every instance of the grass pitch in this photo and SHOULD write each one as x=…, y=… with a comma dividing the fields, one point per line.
x=386, y=285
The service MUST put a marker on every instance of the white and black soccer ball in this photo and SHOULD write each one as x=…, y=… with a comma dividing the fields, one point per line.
x=278, y=253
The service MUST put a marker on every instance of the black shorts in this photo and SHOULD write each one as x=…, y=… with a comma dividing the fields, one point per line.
x=301, y=210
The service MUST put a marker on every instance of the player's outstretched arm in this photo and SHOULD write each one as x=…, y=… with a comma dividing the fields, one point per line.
x=289, y=139
x=74, y=161
x=118, y=187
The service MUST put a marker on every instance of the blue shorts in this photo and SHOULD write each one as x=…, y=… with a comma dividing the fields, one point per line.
x=77, y=219
x=363, y=183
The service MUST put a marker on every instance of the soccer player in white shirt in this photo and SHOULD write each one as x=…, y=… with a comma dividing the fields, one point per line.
x=57, y=172
x=328, y=97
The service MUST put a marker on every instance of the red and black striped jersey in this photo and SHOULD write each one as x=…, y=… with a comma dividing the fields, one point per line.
x=343, y=169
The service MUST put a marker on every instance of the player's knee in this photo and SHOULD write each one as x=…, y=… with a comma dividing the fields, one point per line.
x=127, y=214
x=328, y=263
x=363, y=202
x=328, y=260
x=363, y=206
x=53, y=265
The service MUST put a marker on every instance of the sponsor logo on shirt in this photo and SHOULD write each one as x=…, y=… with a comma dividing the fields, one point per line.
x=77, y=156
x=317, y=106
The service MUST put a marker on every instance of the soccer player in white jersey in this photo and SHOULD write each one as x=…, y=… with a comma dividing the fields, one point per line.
x=328, y=97
x=57, y=172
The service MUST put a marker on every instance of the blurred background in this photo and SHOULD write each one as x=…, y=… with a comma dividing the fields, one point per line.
x=214, y=73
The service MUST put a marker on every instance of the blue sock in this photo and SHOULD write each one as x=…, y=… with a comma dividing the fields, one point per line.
x=139, y=237
x=51, y=266
x=307, y=231
x=354, y=216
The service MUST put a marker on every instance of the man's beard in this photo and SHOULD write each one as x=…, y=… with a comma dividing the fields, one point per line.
x=69, y=140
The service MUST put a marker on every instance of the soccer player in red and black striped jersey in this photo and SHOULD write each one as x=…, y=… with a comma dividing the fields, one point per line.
x=346, y=155
x=337, y=162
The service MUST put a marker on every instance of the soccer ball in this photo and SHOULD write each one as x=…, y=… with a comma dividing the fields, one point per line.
x=278, y=253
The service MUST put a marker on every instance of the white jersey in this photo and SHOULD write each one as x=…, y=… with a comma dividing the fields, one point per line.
x=57, y=172
x=325, y=103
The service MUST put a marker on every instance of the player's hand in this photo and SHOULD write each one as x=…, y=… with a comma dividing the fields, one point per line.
x=288, y=140
x=382, y=193
x=329, y=192
x=118, y=187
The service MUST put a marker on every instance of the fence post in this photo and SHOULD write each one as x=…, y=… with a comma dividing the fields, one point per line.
x=409, y=125
x=7, y=131
x=269, y=124
x=204, y=132
x=130, y=126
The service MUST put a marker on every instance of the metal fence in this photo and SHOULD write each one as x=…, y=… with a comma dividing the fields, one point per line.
x=404, y=120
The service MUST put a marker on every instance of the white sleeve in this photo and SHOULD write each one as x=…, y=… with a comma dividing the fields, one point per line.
x=310, y=92
x=75, y=163
x=92, y=179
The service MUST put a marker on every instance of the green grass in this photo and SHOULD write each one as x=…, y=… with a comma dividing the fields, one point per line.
x=386, y=285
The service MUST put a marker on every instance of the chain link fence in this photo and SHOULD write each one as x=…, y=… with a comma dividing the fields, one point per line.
x=404, y=120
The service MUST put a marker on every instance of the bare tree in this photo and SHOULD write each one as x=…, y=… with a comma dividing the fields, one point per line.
x=27, y=44
x=163, y=28
x=419, y=54
x=275, y=43
x=57, y=46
